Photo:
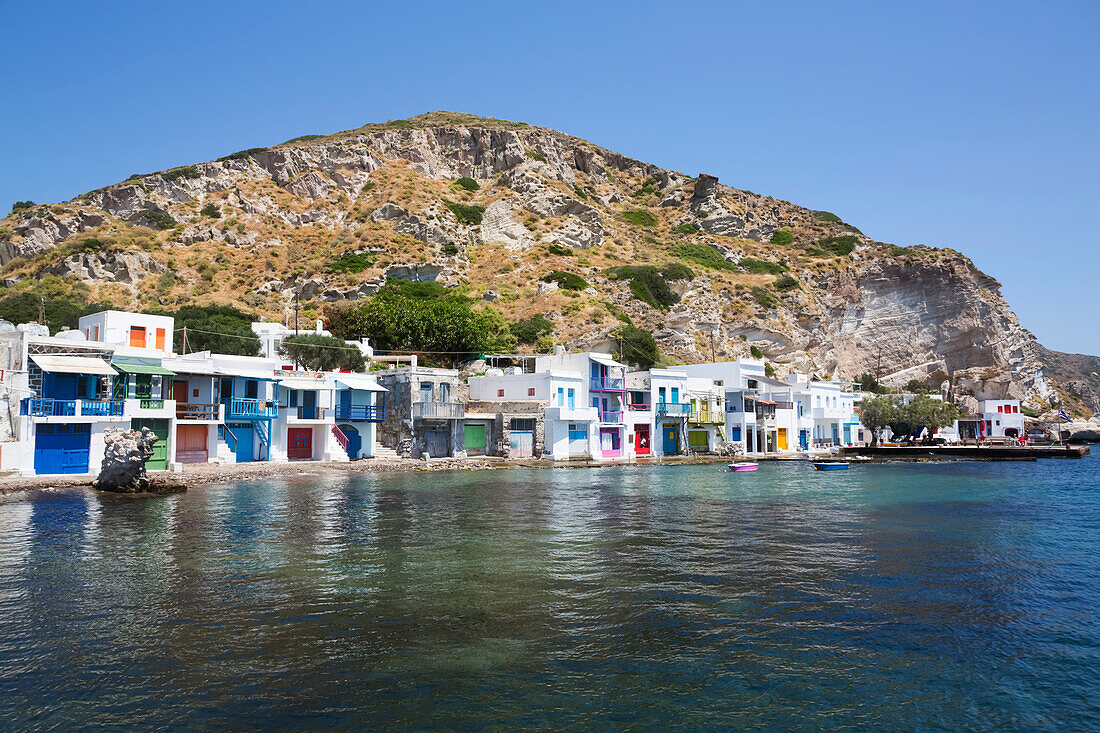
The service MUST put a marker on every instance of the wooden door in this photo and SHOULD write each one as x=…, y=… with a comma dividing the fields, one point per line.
x=179, y=392
x=191, y=444
x=299, y=442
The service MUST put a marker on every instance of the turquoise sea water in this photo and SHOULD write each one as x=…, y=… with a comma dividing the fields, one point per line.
x=893, y=596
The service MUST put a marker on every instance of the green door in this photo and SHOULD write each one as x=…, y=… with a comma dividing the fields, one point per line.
x=697, y=440
x=159, y=461
x=475, y=439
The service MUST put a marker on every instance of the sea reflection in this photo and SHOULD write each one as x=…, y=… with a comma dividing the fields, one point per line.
x=913, y=596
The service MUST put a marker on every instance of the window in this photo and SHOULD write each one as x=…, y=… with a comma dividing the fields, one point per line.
x=251, y=389
x=661, y=394
x=137, y=336
x=521, y=423
x=675, y=395
x=195, y=392
x=572, y=398
x=425, y=391
x=500, y=393
x=160, y=339
x=561, y=396
x=444, y=392
x=530, y=391
x=95, y=330
x=1000, y=408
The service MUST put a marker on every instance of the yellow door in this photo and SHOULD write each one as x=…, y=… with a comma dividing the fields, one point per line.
x=782, y=439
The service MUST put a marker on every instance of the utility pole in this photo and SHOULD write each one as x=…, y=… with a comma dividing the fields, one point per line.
x=42, y=309
x=712, y=359
x=185, y=339
x=297, y=302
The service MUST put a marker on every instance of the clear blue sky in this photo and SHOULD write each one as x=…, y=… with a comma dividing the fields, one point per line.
x=968, y=125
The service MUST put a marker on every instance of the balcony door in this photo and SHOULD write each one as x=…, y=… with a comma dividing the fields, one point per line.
x=179, y=392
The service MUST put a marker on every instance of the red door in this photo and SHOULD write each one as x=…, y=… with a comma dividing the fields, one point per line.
x=179, y=392
x=299, y=443
x=641, y=440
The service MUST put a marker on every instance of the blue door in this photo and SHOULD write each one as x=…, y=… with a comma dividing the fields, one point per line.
x=804, y=439
x=355, y=440
x=62, y=448
x=671, y=438
x=246, y=441
x=735, y=434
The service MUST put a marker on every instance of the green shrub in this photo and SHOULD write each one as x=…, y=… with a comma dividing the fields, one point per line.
x=703, y=254
x=646, y=284
x=351, y=262
x=580, y=192
x=618, y=313
x=210, y=210
x=815, y=252
x=769, y=371
x=367, y=187
x=762, y=267
x=677, y=271
x=400, y=124
x=166, y=282
x=535, y=155
x=450, y=249
x=565, y=280
x=465, y=213
x=640, y=217
x=467, y=183
x=842, y=245
x=560, y=251
x=826, y=216
x=764, y=297
x=21, y=205
x=638, y=347
x=755, y=351
x=686, y=228
x=158, y=219
x=302, y=139
x=649, y=186
x=528, y=330
x=241, y=154
x=896, y=251
x=186, y=171
x=782, y=237
x=787, y=283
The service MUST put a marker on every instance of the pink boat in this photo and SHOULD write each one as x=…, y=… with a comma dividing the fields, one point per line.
x=743, y=466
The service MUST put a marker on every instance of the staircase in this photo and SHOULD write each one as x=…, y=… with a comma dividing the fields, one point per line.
x=381, y=451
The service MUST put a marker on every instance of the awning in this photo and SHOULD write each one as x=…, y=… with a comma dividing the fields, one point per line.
x=605, y=359
x=73, y=364
x=352, y=381
x=142, y=369
x=305, y=384
x=761, y=399
x=248, y=373
x=203, y=367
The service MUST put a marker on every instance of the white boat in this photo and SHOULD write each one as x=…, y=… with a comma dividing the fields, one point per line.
x=743, y=466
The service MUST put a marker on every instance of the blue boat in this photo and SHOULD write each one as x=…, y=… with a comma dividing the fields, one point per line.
x=830, y=466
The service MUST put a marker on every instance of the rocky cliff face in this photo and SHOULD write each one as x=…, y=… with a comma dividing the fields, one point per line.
x=330, y=217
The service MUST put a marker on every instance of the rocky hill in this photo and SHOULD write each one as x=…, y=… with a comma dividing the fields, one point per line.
x=494, y=207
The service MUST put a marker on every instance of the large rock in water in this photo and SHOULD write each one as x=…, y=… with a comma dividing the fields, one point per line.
x=124, y=457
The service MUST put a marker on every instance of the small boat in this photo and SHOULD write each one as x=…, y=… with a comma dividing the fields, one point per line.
x=744, y=466
x=830, y=465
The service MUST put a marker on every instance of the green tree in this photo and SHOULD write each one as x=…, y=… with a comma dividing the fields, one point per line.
x=915, y=386
x=218, y=328
x=322, y=353
x=868, y=383
x=933, y=414
x=878, y=413
x=638, y=347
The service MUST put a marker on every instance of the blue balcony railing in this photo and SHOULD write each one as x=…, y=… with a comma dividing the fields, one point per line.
x=239, y=407
x=617, y=384
x=40, y=407
x=102, y=408
x=361, y=413
x=676, y=409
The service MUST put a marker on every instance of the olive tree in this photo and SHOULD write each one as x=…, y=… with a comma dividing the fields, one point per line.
x=880, y=412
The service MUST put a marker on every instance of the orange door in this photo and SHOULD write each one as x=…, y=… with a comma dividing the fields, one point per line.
x=191, y=443
x=137, y=337
x=160, y=339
